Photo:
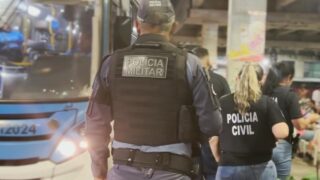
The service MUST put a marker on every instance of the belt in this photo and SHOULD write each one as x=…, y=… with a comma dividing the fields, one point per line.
x=161, y=161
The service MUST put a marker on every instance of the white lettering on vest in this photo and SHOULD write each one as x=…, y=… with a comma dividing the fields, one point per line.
x=241, y=130
x=242, y=124
x=234, y=132
x=145, y=66
x=160, y=64
x=237, y=118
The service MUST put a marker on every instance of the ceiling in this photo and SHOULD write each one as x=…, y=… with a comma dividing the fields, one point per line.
x=292, y=25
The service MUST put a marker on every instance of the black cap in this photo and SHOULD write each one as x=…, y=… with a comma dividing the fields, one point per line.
x=155, y=12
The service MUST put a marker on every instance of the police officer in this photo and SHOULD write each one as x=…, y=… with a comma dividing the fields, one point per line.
x=251, y=122
x=221, y=88
x=153, y=91
x=277, y=86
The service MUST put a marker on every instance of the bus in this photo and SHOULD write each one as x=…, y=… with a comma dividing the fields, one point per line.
x=50, y=51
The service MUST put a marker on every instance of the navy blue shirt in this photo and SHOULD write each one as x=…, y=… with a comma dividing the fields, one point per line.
x=99, y=117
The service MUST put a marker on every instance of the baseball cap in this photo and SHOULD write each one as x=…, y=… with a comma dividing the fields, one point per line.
x=155, y=12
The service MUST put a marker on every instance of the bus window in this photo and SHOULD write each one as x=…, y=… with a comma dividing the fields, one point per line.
x=45, y=52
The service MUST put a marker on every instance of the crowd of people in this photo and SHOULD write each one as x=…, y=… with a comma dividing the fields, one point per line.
x=308, y=108
x=163, y=100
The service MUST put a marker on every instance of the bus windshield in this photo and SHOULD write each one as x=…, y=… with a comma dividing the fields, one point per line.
x=45, y=50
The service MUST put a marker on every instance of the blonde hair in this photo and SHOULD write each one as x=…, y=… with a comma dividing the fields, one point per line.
x=248, y=88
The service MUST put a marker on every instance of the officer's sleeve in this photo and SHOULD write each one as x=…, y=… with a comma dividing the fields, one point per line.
x=274, y=113
x=98, y=126
x=209, y=117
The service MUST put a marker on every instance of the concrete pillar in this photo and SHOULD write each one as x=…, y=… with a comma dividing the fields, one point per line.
x=246, y=34
x=210, y=37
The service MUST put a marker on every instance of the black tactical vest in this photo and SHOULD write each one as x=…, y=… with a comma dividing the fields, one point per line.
x=149, y=89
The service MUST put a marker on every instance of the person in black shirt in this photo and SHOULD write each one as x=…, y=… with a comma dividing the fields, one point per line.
x=221, y=88
x=277, y=86
x=251, y=124
x=219, y=83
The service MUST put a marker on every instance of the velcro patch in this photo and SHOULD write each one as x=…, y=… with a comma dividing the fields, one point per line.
x=145, y=66
x=153, y=3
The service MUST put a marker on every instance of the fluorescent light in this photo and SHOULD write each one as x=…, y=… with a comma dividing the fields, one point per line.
x=49, y=18
x=16, y=28
x=23, y=7
x=34, y=11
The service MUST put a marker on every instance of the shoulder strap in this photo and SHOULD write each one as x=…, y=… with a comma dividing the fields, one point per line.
x=184, y=89
x=208, y=76
x=213, y=94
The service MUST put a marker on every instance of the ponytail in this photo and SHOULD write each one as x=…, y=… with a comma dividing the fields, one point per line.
x=248, y=88
x=276, y=74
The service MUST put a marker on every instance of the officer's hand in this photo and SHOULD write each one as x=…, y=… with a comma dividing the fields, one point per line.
x=215, y=149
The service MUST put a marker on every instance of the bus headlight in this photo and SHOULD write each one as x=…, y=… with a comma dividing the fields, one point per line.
x=67, y=149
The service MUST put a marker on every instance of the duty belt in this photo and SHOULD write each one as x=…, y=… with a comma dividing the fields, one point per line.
x=160, y=161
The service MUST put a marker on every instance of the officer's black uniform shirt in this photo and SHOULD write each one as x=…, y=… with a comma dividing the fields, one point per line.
x=248, y=139
x=220, y=85
x=288, y=101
